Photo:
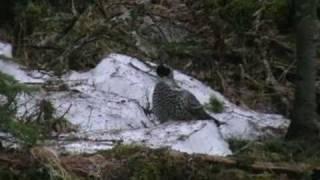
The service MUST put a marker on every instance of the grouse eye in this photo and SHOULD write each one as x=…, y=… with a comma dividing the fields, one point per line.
x=163, y=70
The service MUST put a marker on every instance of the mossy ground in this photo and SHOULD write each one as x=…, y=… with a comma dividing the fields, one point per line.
x=141, y=163
x=215, y=105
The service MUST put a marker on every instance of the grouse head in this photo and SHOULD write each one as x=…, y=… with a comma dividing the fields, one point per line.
x=164, y=71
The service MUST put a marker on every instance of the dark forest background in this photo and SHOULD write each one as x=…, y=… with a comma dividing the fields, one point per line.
x=245, y=49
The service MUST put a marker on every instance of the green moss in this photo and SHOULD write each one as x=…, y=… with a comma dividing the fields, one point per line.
x=215, y=105
x=261, y=151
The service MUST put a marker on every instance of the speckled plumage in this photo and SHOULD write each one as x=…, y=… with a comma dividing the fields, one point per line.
x=170, y=102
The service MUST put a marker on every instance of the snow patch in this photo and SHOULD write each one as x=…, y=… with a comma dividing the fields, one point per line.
x=111, y=103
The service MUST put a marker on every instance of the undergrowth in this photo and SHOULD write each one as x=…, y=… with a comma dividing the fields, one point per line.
x=244, y=49
x=10, y=89
x=29, y=129
x=140, y=163
x=276, y=150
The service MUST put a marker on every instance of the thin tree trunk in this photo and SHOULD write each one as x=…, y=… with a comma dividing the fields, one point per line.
x=304, y=118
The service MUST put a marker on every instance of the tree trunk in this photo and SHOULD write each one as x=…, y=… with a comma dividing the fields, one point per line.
x=304, y=118
x=6, y=11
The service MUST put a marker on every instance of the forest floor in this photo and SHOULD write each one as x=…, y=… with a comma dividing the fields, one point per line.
x=243, y=49
x=252, y=160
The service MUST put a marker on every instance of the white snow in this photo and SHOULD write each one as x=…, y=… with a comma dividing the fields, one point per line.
x=5, y=49
x=109, y=103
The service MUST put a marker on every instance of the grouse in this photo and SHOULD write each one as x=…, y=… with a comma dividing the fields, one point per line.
x=171, y=102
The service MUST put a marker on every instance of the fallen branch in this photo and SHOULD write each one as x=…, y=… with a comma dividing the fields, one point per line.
x=278, y=167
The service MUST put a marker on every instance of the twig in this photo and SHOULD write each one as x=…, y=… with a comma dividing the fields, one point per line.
x=77, y=139
x=223, y=84
x=101, y=8
x=145, y=72
x=68, y=109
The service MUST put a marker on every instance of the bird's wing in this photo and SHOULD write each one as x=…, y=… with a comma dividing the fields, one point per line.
x=194, y=107
x=190, y=100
